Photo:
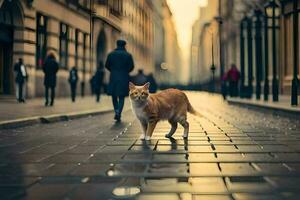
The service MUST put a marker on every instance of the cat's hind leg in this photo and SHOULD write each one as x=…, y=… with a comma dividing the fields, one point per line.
x=173, y=129
x=186, y=126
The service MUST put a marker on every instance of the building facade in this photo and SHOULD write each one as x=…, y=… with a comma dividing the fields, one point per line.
x=81, y=33
x=172, y=64
x=137, y=30
x=263, y=48
x=30, y=29
x=149, y=29
x=204, y=46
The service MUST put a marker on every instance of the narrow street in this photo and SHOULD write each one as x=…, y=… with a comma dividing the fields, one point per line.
x=232, y=153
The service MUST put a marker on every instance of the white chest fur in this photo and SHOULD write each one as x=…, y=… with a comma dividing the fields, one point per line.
x=139, y=111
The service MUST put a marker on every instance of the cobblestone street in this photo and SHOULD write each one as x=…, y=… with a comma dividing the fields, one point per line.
x=232, y=153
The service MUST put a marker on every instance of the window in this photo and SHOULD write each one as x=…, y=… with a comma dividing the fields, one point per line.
x=102, y=2
x=84, y=52
x=288, y=65
x=63, y=45
x=116, y=7
x=76, y=47
x=41, y=40
x=6, y=17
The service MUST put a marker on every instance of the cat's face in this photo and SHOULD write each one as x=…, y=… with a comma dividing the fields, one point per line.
x=139, y=94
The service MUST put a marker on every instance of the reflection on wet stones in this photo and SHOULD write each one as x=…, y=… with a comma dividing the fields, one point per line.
x=165, y=168
x=126, y=192
x=125, y=169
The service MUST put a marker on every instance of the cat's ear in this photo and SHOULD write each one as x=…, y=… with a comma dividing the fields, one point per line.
x=131, y=86
x=146, y=86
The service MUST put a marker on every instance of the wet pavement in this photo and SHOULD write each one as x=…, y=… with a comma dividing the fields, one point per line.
x=231, y=153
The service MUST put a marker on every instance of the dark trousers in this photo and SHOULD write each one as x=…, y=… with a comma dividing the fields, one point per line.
x=52, y=95
x=224, y=89
x=118, y=102
x=73, y=91
x=20, y=88
x=233, y=88
x=98, y=94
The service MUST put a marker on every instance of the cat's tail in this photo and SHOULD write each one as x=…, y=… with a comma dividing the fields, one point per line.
x=191, y=110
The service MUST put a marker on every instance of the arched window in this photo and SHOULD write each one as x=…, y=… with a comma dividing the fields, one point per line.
x=63, y=45
x=41, y=40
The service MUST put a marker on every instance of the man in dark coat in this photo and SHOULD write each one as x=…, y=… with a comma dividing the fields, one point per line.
x=98, y=80
x=73, y=79
x=21, y=76
x=50, y=69
x=120, y=63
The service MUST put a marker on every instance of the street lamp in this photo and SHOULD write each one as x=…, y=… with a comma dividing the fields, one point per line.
x=249, y=58
x=242, y=52
x=295, y=82
x=258, y=50
x=212, y=67
x=272, y=12
x=266, y=81
x=220, y=22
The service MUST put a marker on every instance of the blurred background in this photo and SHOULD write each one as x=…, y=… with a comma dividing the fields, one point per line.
x=187, y=44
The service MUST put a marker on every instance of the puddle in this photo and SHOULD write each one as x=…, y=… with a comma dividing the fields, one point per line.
x=126, y=192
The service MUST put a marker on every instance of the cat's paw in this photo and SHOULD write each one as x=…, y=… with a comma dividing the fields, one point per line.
x=142, y=137
x=147, y=138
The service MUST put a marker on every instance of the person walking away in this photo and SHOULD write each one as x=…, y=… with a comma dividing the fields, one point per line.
x=120, y=63
x=21, y=76
x=50, y=69
x=140, y=78
x=224, y=86
x=98, y=80
x=73, y=79
x=92, y=84
x=233, y=76
x=153, y=84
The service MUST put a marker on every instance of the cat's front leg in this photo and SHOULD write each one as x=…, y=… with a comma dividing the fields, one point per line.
x=150, y=129
x=144, y=129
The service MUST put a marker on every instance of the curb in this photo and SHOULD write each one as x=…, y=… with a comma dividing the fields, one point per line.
x=276, y=110
x=49, y=119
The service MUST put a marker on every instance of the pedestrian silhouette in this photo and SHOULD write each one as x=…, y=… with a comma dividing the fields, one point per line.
x=50, y=69
x=153, y=84
x=73, y=79
x=233, y=77
x=98, y=80
x=92, y=84
x=21, y=77
x=120, y=63
x=224, y=86
x=140, y=78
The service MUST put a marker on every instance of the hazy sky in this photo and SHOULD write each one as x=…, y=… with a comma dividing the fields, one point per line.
x=185, y=12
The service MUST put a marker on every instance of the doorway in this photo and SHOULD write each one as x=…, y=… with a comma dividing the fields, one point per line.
x=6, y=65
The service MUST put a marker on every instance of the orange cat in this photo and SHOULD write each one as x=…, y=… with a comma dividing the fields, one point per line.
x=170, y=104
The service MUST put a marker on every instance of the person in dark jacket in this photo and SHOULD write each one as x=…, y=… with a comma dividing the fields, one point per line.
x=50, y=69
x=21, y=76
x=140, y=78
x=153, y=84
x=98, y=80
x=73, y=79
x=233, y=76
x=120, y=63
x=92, y=84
